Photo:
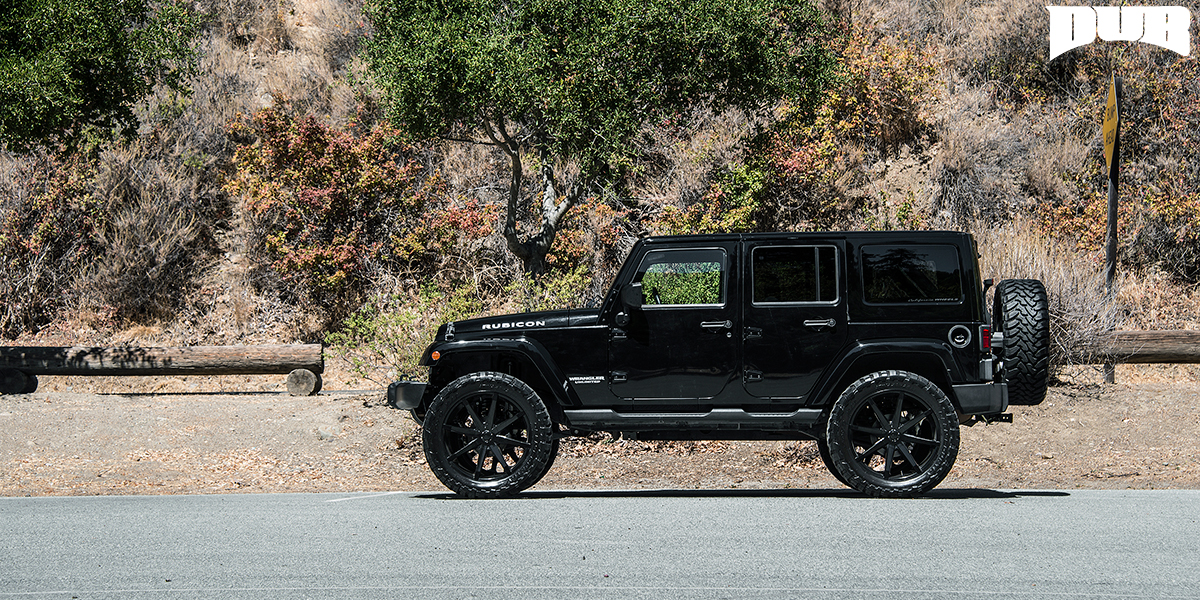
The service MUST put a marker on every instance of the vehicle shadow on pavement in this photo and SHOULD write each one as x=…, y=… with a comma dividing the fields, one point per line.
x=946, y=494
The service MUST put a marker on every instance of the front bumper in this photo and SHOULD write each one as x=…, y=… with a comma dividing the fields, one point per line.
x=405, y=395
x=982, y=398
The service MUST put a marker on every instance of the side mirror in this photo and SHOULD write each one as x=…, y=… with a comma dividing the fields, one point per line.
x=631, y=296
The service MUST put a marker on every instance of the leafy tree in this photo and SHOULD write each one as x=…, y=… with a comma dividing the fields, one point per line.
x=563, y=87
x=67, y=65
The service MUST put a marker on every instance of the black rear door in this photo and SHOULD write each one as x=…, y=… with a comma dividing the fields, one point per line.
x=795, y=315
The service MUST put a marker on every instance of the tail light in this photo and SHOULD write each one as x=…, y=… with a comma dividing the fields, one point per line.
x=985, y=337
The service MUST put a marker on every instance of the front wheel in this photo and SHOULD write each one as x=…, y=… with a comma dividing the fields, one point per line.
x=892, y=434
x=488, y=435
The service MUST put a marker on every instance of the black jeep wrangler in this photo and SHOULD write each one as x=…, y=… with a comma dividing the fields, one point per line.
x=875, y=344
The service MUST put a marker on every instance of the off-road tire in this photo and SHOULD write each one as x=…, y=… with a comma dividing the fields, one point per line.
x=823, y=450
x=1021, y=311
x=892, y=434
x=488, y=435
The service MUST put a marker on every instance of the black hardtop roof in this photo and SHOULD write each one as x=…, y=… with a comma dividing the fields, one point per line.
x=869, y=236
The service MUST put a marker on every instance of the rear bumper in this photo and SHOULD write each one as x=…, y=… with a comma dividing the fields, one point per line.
x=405, y=395
x=981, y=398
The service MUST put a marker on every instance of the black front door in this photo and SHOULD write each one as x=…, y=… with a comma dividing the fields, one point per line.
x=682, y=344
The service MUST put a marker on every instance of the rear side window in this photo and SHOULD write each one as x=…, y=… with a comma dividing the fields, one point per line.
x=794, y=274
x=894, y=274
x=683, y=277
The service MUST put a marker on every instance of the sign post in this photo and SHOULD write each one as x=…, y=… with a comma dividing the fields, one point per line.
x=1112, y=156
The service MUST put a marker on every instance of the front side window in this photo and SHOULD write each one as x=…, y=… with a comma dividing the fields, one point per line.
x=894, y=274
x=683, y=277
x=794, y=274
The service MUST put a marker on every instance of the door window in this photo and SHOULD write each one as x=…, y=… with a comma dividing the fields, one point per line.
x=683, y=278
x=794, y=274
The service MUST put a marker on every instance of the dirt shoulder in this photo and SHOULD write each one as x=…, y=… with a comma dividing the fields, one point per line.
x=65, y=442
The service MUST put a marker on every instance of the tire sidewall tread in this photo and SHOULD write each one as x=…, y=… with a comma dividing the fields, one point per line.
x=533, y=465
x=1021, y=311
x=841, y=451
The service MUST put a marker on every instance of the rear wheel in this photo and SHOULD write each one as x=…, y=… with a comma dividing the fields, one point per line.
x=488, y=435
x=1021, y=311
x=823, y=450
x=892, y=434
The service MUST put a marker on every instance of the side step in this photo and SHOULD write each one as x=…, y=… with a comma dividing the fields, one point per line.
x=730, y=419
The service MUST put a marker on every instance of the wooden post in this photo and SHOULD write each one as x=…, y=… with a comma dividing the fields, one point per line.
x=1112, y=155
x=303, y=382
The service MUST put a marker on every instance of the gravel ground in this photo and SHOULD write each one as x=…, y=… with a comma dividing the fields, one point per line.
x=191, y=436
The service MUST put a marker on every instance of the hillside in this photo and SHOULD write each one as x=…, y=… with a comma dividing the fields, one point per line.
x=946, y=115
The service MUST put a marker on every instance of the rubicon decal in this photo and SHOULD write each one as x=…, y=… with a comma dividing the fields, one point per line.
x=515, y=325
x=1163, y=26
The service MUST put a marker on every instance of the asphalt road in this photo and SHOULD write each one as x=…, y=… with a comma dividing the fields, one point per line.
x=601, y=544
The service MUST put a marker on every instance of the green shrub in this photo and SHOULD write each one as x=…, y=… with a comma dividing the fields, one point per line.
x=330, y=205
x=383, y=339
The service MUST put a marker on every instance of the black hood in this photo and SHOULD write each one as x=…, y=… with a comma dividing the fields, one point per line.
x=518, y=323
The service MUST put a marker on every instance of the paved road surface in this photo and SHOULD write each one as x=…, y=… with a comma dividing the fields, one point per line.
x=598, y=545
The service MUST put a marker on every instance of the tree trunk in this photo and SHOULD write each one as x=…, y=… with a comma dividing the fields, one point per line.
x=532, y=251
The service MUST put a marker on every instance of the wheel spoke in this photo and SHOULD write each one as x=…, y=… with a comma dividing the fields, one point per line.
x=492, y=411
x=899, y=409
x=466, y=448
x=878, y=413
x=463, y=430
x=471, y=412
x=866, y=454
x=915, y=421
x=868, y=430
x=909, y=457
x=499, y=457
x=506, y=424
x=912, y=439
x=887, y=460
x=479, y=460
x=512, y=441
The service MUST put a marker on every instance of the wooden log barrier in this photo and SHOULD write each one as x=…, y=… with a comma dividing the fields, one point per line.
x=20, y=363
x=1145, y=347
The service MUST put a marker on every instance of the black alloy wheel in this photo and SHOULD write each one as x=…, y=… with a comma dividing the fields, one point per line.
x=893, y=434
x=488, y=435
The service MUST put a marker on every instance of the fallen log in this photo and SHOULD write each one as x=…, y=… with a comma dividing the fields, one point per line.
x=192, y=360
x=1144, y=347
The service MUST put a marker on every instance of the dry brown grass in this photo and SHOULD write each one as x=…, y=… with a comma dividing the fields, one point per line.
x=1080, y=309
x=152, y=244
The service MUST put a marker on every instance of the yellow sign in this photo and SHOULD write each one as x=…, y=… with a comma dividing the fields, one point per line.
x=1112, y=116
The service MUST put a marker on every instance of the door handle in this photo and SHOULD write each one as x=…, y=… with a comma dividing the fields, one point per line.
x=715, y=325
x=820, y=323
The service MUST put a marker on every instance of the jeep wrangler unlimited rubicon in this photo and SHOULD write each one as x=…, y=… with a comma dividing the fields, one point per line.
x=875, y=344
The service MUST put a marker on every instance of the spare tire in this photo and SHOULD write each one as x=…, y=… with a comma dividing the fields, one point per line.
x=1021, y=311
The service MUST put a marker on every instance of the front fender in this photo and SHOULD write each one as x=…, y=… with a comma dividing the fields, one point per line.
x=528, y=351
